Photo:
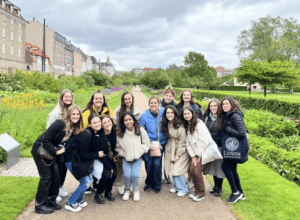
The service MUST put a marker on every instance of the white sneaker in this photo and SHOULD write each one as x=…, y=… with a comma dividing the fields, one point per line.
x=173, y=190
x=192, y=195
x=180, y=194
x=198, y=198
x=189, y=184
x=136, y=196
x=73, y=207
x=63, y=192
x=126, y=195
x=82, y=204
x=121, y=189
x=58, y=199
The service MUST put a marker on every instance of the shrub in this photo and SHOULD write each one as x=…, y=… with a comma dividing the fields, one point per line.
x=88, y=79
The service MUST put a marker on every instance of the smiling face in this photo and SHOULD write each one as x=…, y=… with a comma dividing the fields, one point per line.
x=67, y=98
x=226, y=106
x=128, y=100
x=186, y=96
x=107, y=124
x=98, y=100
x=213, y=107
x=187, y=115
x=170, y=114
x=95, y=124
x=153, y=105
x=168, y=97
x=75, y=116
x=128, y=122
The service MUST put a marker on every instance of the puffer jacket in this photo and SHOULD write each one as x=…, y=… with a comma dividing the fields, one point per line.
x=215, y=133
x=151, y=126
x=196, y=108
x=233, y=125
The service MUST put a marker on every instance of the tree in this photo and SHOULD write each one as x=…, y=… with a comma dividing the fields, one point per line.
x=198, y=67
x=155, y=79
x=270, y=39
x=267, y=73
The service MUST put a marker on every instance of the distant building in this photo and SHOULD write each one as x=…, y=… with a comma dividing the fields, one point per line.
x=83, y=62
x=138, y=70
x=107, y=67
x=33, y=58
x=181, y=67
x=95, y=64
x=59, y=67
x=223, y=72
x=13, y=28
x=255, y=87
x=147, y=69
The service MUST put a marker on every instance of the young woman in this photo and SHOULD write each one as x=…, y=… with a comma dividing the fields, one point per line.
x=150, y=120
x=81, y=152
x=132, y=143
x=169, y=95
x=213, y=121
x=97, y=105
x=234, y=126
x=187, y=99
x=108, y=136
x=177, y=159
x=197, y=140
x=57, y=134
x=60, y=112
x=127, y=104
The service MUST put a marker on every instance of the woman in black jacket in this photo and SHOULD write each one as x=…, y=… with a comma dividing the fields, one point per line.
x=233, y=125
x=213, y=121
x=57, y=134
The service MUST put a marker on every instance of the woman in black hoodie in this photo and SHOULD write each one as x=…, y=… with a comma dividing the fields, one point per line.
x=233, y=125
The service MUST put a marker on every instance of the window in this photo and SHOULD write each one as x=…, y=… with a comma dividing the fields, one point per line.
x=254, y=87
x=19, y=66
x=12, y=36
x=19, y=52
x=3, y=32
x=4, y=18
x=3, y=48
x=3, y=64
x=11, y=64
x=12, y=50
x=20, y=38
x=12, y=22
x=20, y=26
x=3, y=4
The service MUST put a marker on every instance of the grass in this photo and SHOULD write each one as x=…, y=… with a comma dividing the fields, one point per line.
x=15, y=194
x=268, y=195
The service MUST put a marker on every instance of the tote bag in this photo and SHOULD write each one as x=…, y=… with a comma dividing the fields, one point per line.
x=233, y=148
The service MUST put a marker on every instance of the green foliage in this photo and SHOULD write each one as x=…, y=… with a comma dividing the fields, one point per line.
x=230, y=88
x=15, y=194
x=88, y=79
x=291, y=143
x=71, y=82
x=100, y=78
x=229, y=79
x=155, y=79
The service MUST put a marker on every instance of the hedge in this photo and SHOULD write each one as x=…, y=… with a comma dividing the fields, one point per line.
x=230, y=88
x=289, y=108
x=286, y=163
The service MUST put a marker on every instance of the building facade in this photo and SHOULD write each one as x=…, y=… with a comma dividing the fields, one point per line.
x=59, y=55
x=138, y=70
x=33, y=58
x=77, y=65
x=223, y=72
x=95, y=64
x=107, y=67
x=13, y=29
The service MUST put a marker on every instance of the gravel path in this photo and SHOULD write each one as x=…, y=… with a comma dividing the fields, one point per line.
x=164, y=205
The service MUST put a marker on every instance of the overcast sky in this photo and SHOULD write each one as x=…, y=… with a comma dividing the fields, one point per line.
x=155, y=33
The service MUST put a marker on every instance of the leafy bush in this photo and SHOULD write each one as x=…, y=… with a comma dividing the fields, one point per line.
x=230, y=88
x=71, y=82
x=291, y=143
x=88, y=79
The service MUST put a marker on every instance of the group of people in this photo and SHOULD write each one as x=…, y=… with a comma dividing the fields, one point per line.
x=97, y=146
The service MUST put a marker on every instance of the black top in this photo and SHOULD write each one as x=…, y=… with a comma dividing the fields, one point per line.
x=233, y=125
x=164, y=104
x=51, y=138
x=215, y=133
x=196, y=107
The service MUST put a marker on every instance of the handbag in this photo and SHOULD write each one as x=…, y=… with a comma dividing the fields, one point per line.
x=155, y=147
x=234, y=148
x=45, y=154
x=211, y=153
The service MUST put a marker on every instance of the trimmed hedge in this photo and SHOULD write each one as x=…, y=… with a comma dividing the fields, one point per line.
x=286, y=163
x=230, y=88
x=289, y=107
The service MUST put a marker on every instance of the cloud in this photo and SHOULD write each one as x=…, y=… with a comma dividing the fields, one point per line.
x=155, y=33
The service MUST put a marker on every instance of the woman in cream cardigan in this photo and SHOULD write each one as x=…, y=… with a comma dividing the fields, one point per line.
x=201, y=148
x=132, y=143
x=177, y=158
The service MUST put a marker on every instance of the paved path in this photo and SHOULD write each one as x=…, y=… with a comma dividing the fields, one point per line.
x=151, y=206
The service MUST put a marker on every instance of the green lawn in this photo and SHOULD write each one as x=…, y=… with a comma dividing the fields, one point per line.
x=268, y=195
x=15, y=194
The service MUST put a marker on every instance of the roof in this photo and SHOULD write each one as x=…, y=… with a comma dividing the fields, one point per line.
x=14, y=12
x=35, y=51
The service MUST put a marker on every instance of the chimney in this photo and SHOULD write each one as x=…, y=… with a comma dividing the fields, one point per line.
x=33, y=19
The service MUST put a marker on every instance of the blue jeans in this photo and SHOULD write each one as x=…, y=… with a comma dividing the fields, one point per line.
x=131, y=172
x=77, y=195
x=179, y=184
x=153, y=167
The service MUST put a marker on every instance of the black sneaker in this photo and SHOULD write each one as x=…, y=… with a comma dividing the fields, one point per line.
x=88, y=191
x=218, y=192
x=234, y=198
x=243, y=197
x=147, y=188
x=213, y=190
x=157, y=190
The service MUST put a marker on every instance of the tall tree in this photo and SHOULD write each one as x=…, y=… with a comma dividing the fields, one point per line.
x=270, y=39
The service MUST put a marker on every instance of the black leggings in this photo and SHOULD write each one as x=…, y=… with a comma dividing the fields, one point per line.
x=229, y=168
x=49, y=181
x=63, y=173
x=107, y=181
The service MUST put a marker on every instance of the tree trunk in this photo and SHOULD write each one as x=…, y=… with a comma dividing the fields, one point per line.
x=265, y=91
x=250, y=89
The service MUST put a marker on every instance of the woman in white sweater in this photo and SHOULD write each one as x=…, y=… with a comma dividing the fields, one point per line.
x=201, y=148
x=132, y=143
